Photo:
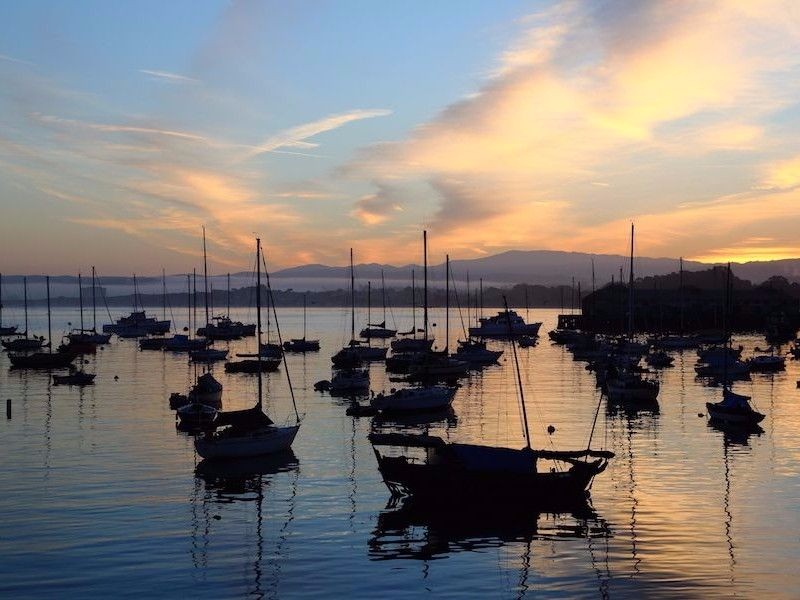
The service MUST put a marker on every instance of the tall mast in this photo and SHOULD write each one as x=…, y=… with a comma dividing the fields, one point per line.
x=205, y=276
x=80, y=298
x=189, y=301
x=469, y=323
x=425, y=277
x=135, y=293
x=481, y=296
x=1, y=298
x=572, y=297
x=25, y=292
x=593, y=288
x=446, y=303
x=413, y=304
x=519, y=377
x=305, y=302
x=383, y=296
x=352, y=299
x=49, y=324
x=258, y=315
x=726, y=330
x=194, y=297
x=229, y=295
x=369, y=311
x=680, y=278
x=94, y=304
x=164, y=293
x=630, y=291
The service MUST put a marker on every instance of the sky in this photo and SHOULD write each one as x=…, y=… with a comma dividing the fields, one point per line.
x=126, y=127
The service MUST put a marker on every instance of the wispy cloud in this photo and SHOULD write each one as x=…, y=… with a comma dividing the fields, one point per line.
x=168, y=77
x=297, y=136
x=19, y=61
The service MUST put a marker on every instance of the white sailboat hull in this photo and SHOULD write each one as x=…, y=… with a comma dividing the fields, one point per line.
x=258, y=443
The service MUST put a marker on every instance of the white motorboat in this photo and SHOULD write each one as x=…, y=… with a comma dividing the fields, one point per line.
x=497, y=326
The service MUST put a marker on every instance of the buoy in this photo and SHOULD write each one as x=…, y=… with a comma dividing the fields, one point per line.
x=116, y=377
x=701, y=415
x=551, y=430
x=86, y=362
x=216, y=517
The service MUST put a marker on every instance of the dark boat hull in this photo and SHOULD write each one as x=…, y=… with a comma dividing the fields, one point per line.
x=42, y=360
x=252, y=366
x=423, y=481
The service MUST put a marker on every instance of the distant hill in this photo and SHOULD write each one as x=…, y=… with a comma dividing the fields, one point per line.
x=536, y=267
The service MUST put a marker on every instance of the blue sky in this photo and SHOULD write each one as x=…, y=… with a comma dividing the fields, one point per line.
x=124, y=127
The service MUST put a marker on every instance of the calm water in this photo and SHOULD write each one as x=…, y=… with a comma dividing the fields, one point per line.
x=100, y=497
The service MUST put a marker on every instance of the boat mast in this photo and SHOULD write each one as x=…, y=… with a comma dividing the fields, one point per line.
x=726, y=332
x=352, y=299
x=1, y=299
x=305, y=301
x=369, y=310
x=446, y=303
x=519, y=377
x=425, y=277
x=258, y=316
x=135, y=293
x=229, y=295
x=681, y=292
x=413, y=304
x=164, y=293
x=205, y=276
x=94, y=304
x=49, y=324
x=383, y=296
x=189, y=301
x=80, y=298
x=630, y=291
x=25, y=292
x=469, y=323
x=194, y=299
x=481, y=296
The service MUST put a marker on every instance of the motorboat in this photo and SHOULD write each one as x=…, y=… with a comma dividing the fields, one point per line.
x=79, y=378
x=153, y=343
x=183, y=343
x=208, y=355
x=414, y=399
x=349, y=381
x=497, y=326
x=206, y=390
x=626, y=386
x=766, y=363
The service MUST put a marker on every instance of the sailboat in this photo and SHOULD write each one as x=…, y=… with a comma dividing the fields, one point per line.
x=439, y=365
x=181, y=342
x=5, y=329
x=158, y=342
x=84, y=335
x=378, y=330
x=302, y=344
x=249, y=432
x=45, y=360
x=223, y=327
x=24, y=343
x=733, y=408
x=622, y=383
x=207, y=354
x=410, y=351
x=412, y=344
x=430, y=467
x=474, y=351
x=349, y=357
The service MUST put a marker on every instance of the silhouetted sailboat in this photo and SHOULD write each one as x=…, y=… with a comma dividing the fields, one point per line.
x=377, y=330
x=446, y=472
x=249, y=432
x=5, y=329
x=23, y=343
x=45, y=360
x=207, y=354
x=302, y=344
x=733, y=408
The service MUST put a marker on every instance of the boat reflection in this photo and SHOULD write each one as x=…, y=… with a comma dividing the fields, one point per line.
x=243, y=475
x=402, y=421
x=422, y=530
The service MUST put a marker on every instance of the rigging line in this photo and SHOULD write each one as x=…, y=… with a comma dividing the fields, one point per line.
x=458, y=305
x=280, y=339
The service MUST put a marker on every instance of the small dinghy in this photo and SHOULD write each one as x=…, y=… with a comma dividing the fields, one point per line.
x=195, y=416
x=74, y=378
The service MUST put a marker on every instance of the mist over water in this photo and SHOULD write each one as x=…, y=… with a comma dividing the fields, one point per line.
x=98, y=486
